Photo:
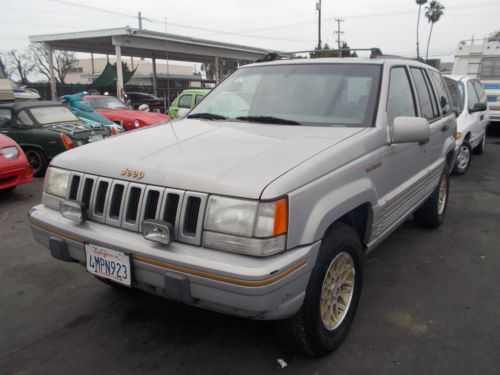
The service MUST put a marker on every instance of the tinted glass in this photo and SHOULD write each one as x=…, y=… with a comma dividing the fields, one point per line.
x=490, y=68
x=400, y=101
x=24, y=119
x=5, y=116
x=456, y=94
x=471, y=95
x=309, y=93
x=479, y=91
x=105, y=102
x=185, y=101
x=425, y=97
x=442, y=93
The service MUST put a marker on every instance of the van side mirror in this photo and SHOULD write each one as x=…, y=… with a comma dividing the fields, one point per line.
x=410, y=129
x=478, y=107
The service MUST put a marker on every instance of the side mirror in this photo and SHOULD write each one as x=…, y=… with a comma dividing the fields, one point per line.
x=182, y=112
x=478, y=107
x=410, y=129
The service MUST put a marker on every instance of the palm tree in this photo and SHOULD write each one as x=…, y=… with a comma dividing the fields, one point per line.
x=434, y=11
x=419, y=3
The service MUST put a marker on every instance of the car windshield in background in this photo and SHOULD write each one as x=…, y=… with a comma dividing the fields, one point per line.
x=107, y=102
x=307, y=94
x=50, y=115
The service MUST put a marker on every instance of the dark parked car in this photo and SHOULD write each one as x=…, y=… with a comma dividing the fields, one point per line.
x=136, y=99
x=44, y=129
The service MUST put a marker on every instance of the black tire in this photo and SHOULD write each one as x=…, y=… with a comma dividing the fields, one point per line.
x=479, y=149
x=306, y=331
x=37, y=160
x=463, y=158
x=431, y=214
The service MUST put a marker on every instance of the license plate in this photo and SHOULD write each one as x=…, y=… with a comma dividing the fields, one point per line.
x=94, y=138
x=107, y=263
x=491, y=98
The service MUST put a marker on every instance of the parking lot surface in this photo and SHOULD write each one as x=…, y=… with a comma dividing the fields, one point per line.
x=430, y=304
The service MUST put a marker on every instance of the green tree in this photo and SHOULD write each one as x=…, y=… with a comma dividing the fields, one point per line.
x=326, y=51
x=419, y=3
x=434, y=11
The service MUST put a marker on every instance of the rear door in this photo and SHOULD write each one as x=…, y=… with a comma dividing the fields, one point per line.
x=444, y=125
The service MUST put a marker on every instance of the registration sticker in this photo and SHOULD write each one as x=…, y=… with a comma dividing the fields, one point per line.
x=107, y=263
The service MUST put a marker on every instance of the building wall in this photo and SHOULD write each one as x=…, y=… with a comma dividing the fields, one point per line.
x=84, y=69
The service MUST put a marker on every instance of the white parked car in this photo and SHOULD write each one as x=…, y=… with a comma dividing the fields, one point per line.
x=470, y=100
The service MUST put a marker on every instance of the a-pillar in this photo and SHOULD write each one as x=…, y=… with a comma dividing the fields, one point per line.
x=119, y=73
x=155, y=82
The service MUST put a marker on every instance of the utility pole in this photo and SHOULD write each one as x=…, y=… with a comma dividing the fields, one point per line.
x=318, y=8
x=139, y=16
x=338, y=32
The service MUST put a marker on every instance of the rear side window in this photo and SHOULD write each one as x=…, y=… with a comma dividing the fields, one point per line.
x=425, y=98
x=479, y=91
x=400, y=101
x=24, y=119
x=442, y=93
x=185, y=101
x=471, y=96
x=5, y=117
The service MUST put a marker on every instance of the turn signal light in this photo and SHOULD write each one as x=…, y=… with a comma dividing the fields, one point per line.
x=68, y=143
x=458, y=135
x=114, y=130
x=281, y=217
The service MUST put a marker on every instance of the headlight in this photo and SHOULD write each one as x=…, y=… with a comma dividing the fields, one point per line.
x=246, y=226
x=10, y=152
x=137, y=123
x=57, y=182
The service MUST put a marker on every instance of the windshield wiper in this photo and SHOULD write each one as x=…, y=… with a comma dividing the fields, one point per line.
x=208, y=116
x=268, y=120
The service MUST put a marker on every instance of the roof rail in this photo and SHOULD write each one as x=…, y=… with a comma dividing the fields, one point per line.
x=374, y=53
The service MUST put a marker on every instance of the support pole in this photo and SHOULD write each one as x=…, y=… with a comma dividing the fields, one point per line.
x=92, y=59
x=155, y=82
x=119, y=73
x=217, y=78
x=318, y=7
x=53, y=88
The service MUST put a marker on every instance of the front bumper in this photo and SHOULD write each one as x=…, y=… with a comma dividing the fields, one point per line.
x=259, y=288
x=18, y=174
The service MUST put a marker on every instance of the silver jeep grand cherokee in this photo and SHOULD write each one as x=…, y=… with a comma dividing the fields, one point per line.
x=264, y=200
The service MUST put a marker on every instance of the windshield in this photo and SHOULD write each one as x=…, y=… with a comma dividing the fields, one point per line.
x=305, y=94
x=106, y=102
x=50, y=115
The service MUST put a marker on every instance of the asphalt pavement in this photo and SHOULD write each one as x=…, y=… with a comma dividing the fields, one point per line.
x=430, y=304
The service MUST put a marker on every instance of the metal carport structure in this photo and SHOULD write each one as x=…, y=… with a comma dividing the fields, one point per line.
x=128, y=41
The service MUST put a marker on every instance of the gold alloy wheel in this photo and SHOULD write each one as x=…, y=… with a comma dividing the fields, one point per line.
x=337, y=290
x=442, y=195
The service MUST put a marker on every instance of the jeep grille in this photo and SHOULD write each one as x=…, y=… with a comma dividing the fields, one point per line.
x=126, y=204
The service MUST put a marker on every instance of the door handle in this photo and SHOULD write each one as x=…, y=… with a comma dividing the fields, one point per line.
x=445, y=128
x=481, y=117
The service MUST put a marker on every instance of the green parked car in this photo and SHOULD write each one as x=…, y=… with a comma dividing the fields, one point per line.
x=186, y=101
x=44, y=129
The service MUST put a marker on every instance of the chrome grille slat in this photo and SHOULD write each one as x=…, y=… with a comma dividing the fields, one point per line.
x=170, y=205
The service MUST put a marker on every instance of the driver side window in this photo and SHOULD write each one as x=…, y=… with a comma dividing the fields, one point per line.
x=185, y=101
x=5, y=117
x=23, y=119
x=400, y=101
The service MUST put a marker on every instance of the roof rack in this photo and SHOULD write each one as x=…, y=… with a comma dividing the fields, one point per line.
x=374, y=53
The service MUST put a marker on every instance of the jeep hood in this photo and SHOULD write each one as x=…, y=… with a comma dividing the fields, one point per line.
x=228, y=158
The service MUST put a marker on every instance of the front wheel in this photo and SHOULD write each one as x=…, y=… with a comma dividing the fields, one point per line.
x=332, y=295
x=37, y=160
x=431, y=214
x=463, y=158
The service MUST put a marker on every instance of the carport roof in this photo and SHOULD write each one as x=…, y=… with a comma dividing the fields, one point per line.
x=146, y=43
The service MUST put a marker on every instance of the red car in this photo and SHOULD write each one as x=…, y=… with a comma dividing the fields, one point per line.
x=116, y=111
x=14, y=167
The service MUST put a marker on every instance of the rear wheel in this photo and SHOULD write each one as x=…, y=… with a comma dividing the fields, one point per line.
x=332, y=295
x=463, y=158
x=37, y=160
x=431, y=214
x=479, y=149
